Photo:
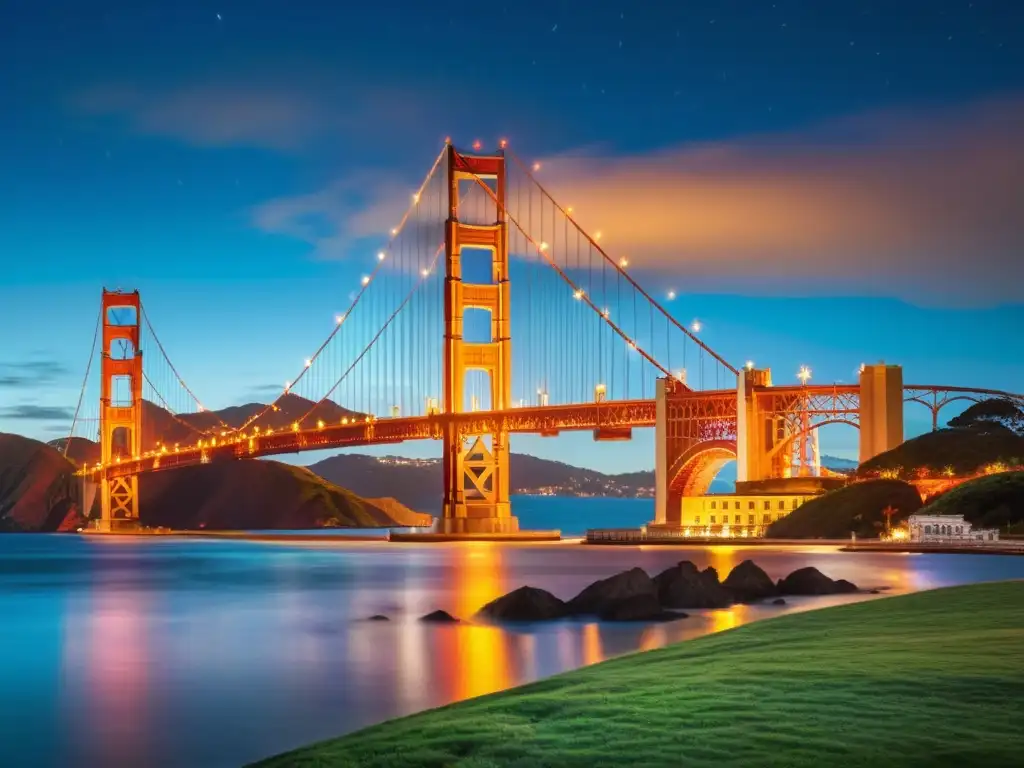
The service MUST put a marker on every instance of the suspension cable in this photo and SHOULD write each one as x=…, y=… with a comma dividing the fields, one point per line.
x=85, y=381
x=618, y=267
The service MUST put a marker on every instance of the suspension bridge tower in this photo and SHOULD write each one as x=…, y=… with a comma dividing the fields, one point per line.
x=476, y=459
x=120, y=407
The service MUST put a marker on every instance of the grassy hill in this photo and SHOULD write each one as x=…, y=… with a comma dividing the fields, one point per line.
x=964, y=450
x=854, y=508
x=994, y=501
x=864, y=685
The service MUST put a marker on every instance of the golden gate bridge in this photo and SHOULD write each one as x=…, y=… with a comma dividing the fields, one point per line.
x=436, y=344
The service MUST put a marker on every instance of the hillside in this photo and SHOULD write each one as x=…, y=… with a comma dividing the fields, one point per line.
x=260, y=495
x=417, y=482
x=38, y=490
x=854, y=508
x=965, y=450
x=995, y=501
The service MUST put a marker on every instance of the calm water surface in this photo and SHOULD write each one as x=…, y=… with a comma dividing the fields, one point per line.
x=191, y=652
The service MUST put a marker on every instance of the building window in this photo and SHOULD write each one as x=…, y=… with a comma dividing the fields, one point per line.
x=927, y=529
x=713, y=503
x=736, y=505
x=750, y=505
x=737, y=520
x=767, y=504
x=750, y=520
x=696, y=519
x=712, y=519
x=782, y=504
x=959, y=529
x=796, y=503
x=767, y=519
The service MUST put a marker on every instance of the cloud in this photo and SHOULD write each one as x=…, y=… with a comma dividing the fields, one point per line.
x=927, y=207
x=27, y=412
x=274, y=113
x=334, y=218
x=29, y=374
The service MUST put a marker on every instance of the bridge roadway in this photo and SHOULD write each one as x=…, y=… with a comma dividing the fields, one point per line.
x=820, y=400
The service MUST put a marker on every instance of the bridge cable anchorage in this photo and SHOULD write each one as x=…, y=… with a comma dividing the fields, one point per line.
x=366, y=283
x=174, y=371
x=85, y=381
x=693, y=337
x=577, y=291
x=423, y=278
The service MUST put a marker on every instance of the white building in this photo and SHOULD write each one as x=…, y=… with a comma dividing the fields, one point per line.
x=953, y=528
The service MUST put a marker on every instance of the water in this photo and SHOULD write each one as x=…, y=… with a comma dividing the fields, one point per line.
x=203, y=652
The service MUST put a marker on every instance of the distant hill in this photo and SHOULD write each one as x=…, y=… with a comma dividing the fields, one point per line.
x=161, y=426
x=855, y=508
x=38, y=492
x=417, y=482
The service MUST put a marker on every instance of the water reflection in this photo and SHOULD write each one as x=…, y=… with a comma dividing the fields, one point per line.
x=110, y=647
x=183, y=653
x=477, y=658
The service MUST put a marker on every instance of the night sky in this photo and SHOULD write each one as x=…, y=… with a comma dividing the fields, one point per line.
x=822, y=183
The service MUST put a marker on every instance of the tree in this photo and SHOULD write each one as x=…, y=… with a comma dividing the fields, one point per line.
x=998, y=413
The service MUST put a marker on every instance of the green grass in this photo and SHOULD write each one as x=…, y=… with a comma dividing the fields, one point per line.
x=929, y=679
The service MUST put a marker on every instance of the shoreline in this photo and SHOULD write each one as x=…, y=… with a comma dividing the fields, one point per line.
x=658, y=700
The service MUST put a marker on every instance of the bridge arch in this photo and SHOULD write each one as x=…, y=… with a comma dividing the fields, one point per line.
x=692, y=472
x=787, y=443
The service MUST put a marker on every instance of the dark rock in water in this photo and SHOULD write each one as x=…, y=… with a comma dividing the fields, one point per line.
x=844, y=587
x=874, y=592
x=524, y=604
x=602, y=594
x=440, y=617
x=378, y=617
x=778, y=601
x=811, y=581
x=748, y=582
x=640, y=607
x=683, y=586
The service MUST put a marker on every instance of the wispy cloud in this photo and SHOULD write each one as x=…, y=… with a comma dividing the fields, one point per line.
x=31, y=373
x=922, y=206
x=273, y=113
x=28, y=412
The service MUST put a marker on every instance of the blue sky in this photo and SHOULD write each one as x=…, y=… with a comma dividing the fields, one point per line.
x=824, y=184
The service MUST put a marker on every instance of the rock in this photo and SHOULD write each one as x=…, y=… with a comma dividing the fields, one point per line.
x=524, y=604
x=639, y=607
x=778, y=601
x=378, y=617
x=683, y=586
x=440, y=617
x=874, y=592
x=811, y=581
x=749, y=582
x=602, y=594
